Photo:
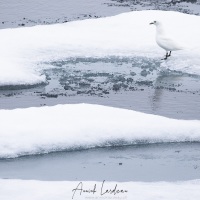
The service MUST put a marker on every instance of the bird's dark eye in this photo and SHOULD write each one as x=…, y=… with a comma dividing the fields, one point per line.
x=154, y=21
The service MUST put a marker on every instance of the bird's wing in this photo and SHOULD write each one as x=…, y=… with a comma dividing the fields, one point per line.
x=168, y=44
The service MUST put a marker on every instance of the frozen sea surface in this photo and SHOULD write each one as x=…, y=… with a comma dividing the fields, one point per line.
x=138, y=83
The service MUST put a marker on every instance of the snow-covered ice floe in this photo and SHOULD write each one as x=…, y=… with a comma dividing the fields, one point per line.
x=24, y=50
x=40, y=190
x=80, y=126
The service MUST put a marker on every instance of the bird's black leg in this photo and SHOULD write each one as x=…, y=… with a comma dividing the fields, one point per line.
x=166, y=56
x=169, y=54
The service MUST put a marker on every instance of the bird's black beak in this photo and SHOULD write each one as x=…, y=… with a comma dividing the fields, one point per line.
x=151, y=23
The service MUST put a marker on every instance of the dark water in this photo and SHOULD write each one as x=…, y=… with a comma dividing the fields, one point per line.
x=29, y=13
x=155, y=162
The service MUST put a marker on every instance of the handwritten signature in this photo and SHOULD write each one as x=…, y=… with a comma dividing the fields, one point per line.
x=103, y=191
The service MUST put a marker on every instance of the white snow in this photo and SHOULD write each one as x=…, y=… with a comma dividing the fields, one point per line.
x=23, y=50
x=46, y=129
x=40, y=190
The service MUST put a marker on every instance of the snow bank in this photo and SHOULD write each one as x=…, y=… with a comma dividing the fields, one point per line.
x=39, y=190
x=23, y=50
x=67, y=127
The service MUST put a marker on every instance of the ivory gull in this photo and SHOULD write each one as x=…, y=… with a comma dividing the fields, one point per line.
x=163, y=41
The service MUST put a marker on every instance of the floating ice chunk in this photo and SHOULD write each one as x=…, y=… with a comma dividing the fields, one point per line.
x=78, y=126
x=23, y=50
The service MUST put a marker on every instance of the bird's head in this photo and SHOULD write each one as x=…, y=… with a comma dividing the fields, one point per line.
x=155, y=23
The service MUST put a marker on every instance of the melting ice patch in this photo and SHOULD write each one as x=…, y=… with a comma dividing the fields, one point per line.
x=24, y=50
x=79, y=126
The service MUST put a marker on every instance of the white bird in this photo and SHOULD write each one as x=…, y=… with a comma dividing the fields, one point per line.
x=163, y=41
